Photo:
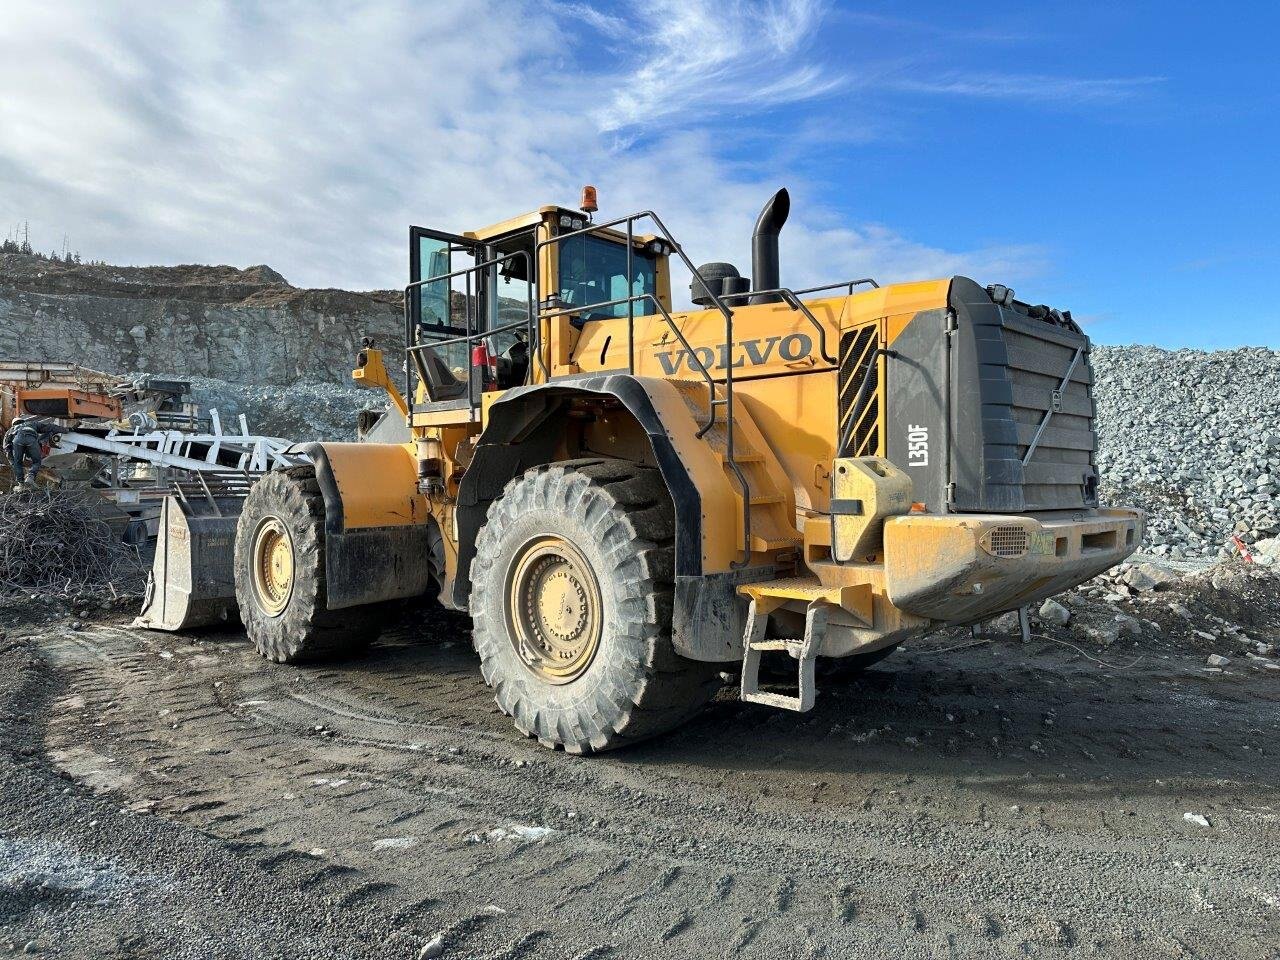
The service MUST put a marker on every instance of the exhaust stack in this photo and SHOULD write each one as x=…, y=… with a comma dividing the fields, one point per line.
x=764, y=246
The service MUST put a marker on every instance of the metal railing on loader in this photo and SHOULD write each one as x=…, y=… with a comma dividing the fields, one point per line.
x=532, y=323
x=472, y=336
x=714, y=401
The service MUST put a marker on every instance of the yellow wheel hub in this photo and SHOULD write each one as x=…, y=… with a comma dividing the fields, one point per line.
x=553, y=609
x=272, y=566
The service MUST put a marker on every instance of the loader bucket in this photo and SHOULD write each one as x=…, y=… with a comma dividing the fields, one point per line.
x=192, y=582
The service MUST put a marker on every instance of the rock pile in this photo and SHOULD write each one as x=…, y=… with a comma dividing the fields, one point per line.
x=1194, y=439
x=302, y=411
x=1230, y=609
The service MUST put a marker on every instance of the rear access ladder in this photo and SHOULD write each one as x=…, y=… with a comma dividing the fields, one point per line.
x=818, y=600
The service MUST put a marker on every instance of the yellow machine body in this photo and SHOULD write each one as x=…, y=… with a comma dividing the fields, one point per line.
x=886, y=544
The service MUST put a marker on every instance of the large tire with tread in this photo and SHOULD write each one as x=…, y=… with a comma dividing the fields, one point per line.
x=288, y=620
x=618, y=520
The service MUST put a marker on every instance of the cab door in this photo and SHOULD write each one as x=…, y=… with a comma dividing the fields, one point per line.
x=450, y=305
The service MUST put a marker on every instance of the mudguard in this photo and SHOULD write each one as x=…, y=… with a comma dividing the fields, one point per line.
x=377, y=524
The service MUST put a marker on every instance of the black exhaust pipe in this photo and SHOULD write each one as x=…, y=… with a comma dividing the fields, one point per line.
x=764, y=246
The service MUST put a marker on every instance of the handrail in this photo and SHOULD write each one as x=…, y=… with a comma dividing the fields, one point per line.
x=629, y=221
x=634, y=298
x=458, y=339
x=795, y=303
x=843, y=283
x=713, y=400
x=846, y=433
x=413, y=348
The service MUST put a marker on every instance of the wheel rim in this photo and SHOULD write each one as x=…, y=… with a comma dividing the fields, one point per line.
x=553, y=609
x=272, y=566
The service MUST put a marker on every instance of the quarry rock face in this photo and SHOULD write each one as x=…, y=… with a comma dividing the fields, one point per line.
x=246, y=326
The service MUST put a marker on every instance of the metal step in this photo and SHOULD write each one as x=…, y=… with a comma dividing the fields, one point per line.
x=761, y=544
x=805, y=650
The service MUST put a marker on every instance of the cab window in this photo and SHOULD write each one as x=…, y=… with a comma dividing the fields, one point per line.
x=593, y=271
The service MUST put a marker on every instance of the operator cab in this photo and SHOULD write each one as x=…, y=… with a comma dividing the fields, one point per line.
x=481, y=288
x=593, y=277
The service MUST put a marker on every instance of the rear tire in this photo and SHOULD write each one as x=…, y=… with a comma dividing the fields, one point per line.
x=280, y=575
x=571, y=600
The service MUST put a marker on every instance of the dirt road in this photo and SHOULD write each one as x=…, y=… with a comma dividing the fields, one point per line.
x=176, y=796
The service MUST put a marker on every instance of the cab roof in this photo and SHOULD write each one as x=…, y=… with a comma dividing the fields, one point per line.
x=522, y=221
x=554, y=212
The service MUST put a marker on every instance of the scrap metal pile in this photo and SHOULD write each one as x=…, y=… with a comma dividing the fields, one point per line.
x=58, y=543
x=130, y=442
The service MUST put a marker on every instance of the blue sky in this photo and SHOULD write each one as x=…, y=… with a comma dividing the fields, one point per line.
x=1117, y=160
x=1140, y=153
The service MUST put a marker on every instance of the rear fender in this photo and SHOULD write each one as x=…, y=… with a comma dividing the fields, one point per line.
x=377, y=524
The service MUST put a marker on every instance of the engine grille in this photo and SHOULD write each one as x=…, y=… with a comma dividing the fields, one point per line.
x=858, y=362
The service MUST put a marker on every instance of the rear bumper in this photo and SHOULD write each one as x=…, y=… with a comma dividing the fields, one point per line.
x=960, y=568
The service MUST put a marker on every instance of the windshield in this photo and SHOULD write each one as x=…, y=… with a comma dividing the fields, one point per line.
x=594, y=271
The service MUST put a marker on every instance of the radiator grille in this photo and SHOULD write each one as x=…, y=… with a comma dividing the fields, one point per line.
x=1059, y=473
x=1007, y=541
x=858, y=363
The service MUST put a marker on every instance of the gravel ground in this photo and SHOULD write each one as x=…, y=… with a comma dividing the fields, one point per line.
x=84, y=874
x=1077, y=795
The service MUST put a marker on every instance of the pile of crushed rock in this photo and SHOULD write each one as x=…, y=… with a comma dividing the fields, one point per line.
x=306, y=410
x=1194, y=439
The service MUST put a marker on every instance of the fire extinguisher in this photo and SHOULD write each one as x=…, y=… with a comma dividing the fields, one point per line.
x=484, y=366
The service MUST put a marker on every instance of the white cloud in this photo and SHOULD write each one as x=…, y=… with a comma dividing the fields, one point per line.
x=705, y=56
x=308, y=134
x=1045, y=89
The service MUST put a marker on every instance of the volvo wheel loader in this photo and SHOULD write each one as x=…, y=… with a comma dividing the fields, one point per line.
x=630, y=498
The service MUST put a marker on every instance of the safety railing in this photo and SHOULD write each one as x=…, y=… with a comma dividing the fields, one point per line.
x=791, y=299
x=532, y=324
x=870, y=375
x=714, y=401
x=847, y=284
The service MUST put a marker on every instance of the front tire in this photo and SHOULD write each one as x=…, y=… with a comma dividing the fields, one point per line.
x=280, y=575
x=571, y=600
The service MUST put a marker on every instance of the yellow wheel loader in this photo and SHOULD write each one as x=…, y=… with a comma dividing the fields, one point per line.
x=629, y=499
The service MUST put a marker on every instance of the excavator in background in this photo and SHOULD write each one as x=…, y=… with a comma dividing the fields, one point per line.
x=628, y=498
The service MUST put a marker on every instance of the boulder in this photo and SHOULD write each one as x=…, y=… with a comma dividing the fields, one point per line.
x=1051, y=611
x=1145, y=577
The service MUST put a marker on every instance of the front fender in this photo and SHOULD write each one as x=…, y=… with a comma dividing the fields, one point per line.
x=376, y=523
